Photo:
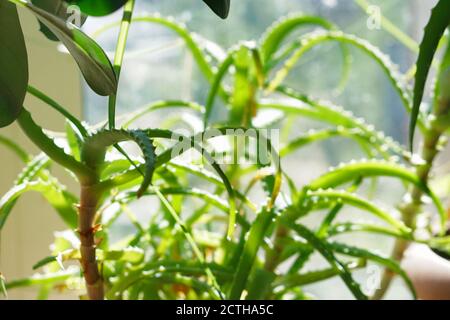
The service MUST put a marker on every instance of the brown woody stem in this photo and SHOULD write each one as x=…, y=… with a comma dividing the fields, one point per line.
x=87, y=211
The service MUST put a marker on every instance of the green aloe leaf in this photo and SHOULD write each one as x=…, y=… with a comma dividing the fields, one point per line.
x=90, y=57
x=35, y=168
x=348, y=227
x=254, y=238
x=181, y=31
x=56, y=195
x=44, y=279
x=349, y=172
x=328, y=112
x=438, y=23
x=311, y=40
x=311, y=277
x=216, y=85
x=131, y=255
x=95, y=147
x=167, y=156
x=13, y=64
x=220, y=7
x=358, y=202
x=280, y=30
x=327, y=252
x=366, y=254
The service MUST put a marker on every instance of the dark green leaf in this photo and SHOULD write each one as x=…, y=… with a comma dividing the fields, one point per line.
x=13, y=64
x=439, y=21
x=441, y=246
x=220, y=7
x=58, y=8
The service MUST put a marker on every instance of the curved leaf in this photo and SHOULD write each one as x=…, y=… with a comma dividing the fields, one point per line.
x=198, y=254
x=281, y=29
x=327, y=112
x=58, y=8
x=349, y=172
x=315, y=136
x=16, y=148
x=13, y=64
x=36, y=134
x=311, y=40
x=95, y=147
x=346, y=227
x=130, y=119
x=311, y=277
x=215, y=86
x=98, y=7
x=439, y=21
x=374, y=168
x=181, y=31
x=358, y=202
x=131, y=255
x=194, y=192
x=327, y=252
x=90, y=57
x=60, y=199
x=366, y=254
x=45, y=279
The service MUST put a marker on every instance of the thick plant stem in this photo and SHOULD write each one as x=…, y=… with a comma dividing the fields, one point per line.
x=273, y=255
x=413, y=203
x=87, y=211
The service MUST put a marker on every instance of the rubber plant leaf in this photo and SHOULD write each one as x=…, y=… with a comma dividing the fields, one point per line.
x=98, y=8
x=90, y=57
x=438, y=23
x=58, y=8
x=220, y=7
x=13, y=64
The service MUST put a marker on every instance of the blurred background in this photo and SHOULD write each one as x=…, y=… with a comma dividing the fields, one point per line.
x=158, y=66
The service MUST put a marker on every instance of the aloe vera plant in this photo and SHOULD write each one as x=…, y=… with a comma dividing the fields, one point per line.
x=206, y=237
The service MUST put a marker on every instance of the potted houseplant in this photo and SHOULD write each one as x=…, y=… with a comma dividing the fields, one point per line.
x=229, y=247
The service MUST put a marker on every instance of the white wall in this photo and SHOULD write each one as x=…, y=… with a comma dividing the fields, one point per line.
x=29, y=230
